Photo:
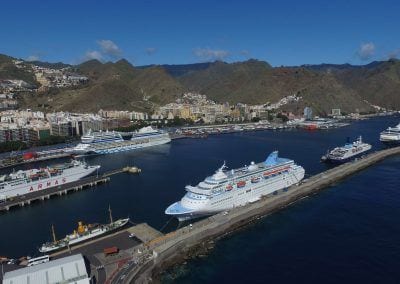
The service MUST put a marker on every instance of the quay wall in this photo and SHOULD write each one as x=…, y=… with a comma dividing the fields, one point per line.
x=174, y=246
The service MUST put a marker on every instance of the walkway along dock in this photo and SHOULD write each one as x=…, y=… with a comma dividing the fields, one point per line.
x=41, y=195
x=163, y=251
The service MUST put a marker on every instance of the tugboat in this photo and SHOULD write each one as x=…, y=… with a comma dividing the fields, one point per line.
x=82, y=234
x=346, y=152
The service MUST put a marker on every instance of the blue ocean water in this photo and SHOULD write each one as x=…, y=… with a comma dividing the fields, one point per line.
x=349, y=232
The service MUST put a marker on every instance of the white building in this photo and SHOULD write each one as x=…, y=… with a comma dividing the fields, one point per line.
x=70, y=269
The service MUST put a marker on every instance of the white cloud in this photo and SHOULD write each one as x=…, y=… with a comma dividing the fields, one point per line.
x=210, y=54
x=151, y=50
x=394, y=54
x=245, y=53
x=109, y=48
x=33, y=58
x=366, y=50
x=93, y=54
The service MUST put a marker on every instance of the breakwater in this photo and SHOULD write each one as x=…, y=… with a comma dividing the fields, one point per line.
x=164, y=250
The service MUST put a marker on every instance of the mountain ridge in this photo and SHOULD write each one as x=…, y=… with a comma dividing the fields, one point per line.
x=120, y=85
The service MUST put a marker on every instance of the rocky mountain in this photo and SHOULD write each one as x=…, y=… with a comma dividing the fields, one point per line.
x=122, y=86
x=8, y=70
x=113, y=86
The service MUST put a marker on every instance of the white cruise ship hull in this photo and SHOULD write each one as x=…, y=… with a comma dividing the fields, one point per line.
x=120, y=146
x=25, y=187
x=189, y=209
x=390, y=138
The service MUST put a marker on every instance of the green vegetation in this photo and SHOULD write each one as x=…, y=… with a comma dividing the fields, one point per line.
x=51, y=140
x=12, y=146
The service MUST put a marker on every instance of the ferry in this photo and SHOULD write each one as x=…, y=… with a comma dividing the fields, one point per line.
x=391, y=135
x=112, y=142
x=83, y=233
x=227, y=189
x=346, y=152
x=23, y=182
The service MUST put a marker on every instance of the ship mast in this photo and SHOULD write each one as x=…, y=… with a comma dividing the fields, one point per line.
x=53, y=233
x=109, y=210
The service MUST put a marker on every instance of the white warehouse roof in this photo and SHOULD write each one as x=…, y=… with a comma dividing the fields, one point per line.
x=70, y=269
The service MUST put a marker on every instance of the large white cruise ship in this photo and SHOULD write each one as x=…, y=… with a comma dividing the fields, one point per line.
x=23, y=182
x=228, y=189
x=391, y=135
x=112, y=142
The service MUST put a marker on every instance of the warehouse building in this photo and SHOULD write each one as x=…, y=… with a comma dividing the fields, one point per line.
x=70, y=269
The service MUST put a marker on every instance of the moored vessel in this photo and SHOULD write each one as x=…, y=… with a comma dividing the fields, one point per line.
x=112, y=142
x=23, y=182
x=83, y=233
x=227, y=189
x=347, y=152
x=391, y=135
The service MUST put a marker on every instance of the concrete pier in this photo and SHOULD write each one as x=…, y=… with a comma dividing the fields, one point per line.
x=167, y=247
x=45, y=194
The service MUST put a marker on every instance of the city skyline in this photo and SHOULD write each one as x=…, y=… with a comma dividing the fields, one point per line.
x=157, y=32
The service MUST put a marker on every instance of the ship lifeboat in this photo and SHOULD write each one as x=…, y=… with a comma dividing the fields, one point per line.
x=241, y=183
x=255, y=179
x=229, y=187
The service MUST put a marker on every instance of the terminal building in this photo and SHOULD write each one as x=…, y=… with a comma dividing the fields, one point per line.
x=70, y=269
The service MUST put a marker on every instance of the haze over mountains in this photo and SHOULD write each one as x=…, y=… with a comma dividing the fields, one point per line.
x=122, y=86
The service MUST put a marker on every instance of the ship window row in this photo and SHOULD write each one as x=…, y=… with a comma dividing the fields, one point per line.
x=222, y=200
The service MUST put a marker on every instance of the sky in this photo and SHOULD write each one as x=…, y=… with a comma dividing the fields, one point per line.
x=189, y=31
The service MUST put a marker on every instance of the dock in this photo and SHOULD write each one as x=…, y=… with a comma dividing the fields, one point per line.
x=46, y=194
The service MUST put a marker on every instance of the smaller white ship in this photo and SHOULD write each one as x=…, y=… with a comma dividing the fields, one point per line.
x=391, y=135
x=346, y=152
x=82, y=234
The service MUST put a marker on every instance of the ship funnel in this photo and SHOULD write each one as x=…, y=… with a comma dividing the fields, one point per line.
x=272, y=159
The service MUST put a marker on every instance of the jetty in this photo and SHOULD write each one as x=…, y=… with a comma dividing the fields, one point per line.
x=168, y=248
x=46, y=194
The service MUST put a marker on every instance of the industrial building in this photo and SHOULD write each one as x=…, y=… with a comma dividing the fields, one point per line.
x=70, y=269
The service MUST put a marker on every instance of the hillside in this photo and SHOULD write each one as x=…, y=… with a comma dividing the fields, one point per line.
x=8, y=71
x=113, y=86
x=122, y=86
x=256, y=82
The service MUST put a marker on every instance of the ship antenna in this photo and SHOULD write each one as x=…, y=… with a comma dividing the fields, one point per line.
x=53, y=233
x=109, y=210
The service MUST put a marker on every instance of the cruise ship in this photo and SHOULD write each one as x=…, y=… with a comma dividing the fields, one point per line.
x=346, y=152
x=391, y=135
x=107, y=142
x=83, y=233
x=23, y=182
x=227, y=189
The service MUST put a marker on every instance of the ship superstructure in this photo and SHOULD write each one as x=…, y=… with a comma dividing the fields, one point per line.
x=23, y=182
x=227, y=189
x=391, y=135
x=346, y=152
x=114, y=143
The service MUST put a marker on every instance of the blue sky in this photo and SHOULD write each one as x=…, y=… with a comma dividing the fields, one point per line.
x=180, y=32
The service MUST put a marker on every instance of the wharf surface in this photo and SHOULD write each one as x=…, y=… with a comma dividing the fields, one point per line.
x=38, y=159
x=45, y=194
x=168, y=248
